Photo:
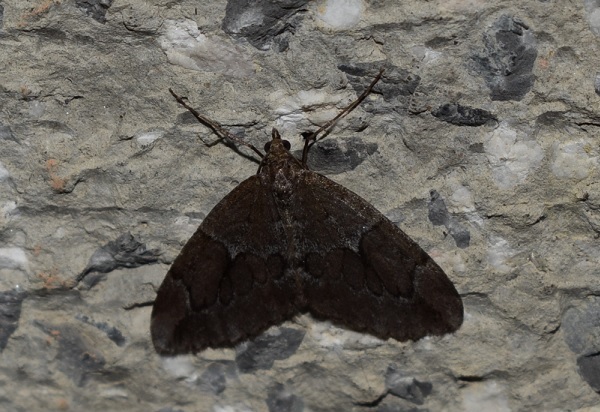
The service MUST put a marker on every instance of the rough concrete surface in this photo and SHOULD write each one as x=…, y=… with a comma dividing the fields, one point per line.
x=481, y=142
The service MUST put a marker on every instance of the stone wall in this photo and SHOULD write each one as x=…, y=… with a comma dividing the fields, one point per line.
x=481, y=142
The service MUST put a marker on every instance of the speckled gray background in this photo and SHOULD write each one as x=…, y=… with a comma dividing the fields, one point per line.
x=481, y=142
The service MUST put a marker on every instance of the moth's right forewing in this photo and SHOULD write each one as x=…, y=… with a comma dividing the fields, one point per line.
x=363, y=272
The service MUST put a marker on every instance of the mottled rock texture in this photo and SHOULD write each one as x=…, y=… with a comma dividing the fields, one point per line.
x=481, y=142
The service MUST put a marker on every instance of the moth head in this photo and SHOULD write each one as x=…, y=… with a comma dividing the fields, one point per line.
x=277, y=141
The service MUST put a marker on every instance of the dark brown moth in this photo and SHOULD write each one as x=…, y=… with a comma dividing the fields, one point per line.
x=287, y=241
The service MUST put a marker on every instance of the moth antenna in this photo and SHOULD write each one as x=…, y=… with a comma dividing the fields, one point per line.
x=214, y=126
x=311, y=139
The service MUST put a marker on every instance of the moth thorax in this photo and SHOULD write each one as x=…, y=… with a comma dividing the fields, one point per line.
x=282, y=184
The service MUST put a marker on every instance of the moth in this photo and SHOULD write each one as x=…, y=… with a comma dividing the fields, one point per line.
x=287, y=241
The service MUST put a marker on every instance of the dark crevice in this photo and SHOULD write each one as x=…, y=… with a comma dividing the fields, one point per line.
x=375, y=402
x=139, y=305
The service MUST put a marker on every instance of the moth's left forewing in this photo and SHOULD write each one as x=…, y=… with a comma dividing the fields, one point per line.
x=229, y=281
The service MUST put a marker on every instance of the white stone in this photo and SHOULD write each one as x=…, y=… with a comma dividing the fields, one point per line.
x=499, y=254
x=511, y=158
x=6, y=209
x=4, y=173
x=461, y=200
x=485, y=396
x=180, y=367
x=449, y=259
x=185, y=46
x=572, y=160
x=330, y=336
x=36, y=109
x=592, y=9
x=147, y=138
x=341, y=14
x=251, y=17
x=13, y=258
